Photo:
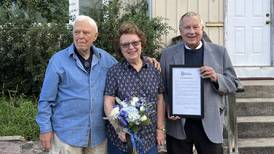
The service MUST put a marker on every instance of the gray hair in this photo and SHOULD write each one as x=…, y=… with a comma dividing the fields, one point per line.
x=191, y=14
x=88, y=19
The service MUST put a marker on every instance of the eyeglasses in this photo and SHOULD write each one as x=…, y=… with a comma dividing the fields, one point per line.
x=127, y=44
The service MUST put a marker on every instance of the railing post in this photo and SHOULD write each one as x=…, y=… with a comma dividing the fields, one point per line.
x=232, y=124
x=232, y=128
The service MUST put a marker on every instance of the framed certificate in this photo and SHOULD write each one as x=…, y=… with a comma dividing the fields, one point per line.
x=187, y=93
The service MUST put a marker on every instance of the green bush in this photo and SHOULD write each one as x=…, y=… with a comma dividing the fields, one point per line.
x=31, y=31
x=17, y=117
x=111, y=15
x=27, y=42
x=25, y=52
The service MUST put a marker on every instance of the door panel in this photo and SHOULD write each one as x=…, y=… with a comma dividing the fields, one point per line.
x=247, y=34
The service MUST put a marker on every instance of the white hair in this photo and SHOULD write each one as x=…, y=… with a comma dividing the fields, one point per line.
x=191, y=14
x=88, y=19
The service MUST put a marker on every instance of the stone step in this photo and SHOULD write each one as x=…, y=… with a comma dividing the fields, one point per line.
x=17, y=145
x=256, y=146
x=255, y=107
x=7, y=147
x=12, y=138
x=257, y=89
x=255, y=117
x=255, y=126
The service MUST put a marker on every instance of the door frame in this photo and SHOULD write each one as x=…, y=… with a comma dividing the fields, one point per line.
x=272, y=32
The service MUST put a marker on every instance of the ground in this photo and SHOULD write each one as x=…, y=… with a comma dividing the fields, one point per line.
x=20, y=147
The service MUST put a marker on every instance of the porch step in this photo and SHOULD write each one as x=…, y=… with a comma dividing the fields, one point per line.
x=255, y=117
x=256, y=146
x=254, y=71
x=255, y=106
x=255, y=126
x=257, y=89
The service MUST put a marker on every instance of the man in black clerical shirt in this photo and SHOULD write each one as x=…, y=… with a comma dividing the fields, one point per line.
x=219, y=79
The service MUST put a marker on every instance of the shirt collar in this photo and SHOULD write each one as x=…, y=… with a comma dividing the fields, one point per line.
x=198, y=47
x=126, y=65
x=72, y=51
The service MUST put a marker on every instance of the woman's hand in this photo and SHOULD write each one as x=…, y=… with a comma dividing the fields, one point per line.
x=160, y=135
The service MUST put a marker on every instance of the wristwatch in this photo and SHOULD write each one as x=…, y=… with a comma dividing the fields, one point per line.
x=162, y=129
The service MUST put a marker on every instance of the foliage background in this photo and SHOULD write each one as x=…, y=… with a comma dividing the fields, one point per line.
x=32, y=30
x=17, y=117
x=110, y=16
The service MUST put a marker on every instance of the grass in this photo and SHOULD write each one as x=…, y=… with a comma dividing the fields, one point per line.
x=17, y=117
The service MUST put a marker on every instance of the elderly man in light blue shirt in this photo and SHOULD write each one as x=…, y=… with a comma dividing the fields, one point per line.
x=71, y=101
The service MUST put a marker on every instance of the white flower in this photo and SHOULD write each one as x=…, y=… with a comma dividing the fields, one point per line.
x=134, y=100
x=142, y=108
x=122, y=103
x=118, y=100
x=143, y=118
x=133, y=114
x=114, y=112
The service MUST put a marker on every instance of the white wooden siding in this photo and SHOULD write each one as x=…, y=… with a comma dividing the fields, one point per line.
x=211, y=12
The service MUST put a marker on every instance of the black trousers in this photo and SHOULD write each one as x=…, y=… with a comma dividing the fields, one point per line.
x=195, y=136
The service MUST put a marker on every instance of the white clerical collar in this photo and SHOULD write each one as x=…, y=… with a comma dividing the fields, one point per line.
x=198, y=47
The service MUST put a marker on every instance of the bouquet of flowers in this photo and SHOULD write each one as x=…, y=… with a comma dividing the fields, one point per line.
x=130, y=114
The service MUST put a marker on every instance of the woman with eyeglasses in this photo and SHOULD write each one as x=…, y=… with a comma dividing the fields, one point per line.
x=134, y=76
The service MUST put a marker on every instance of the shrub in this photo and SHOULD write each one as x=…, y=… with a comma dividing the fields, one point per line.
x=27, y=41
x=31, y=31
x=17, y=117
x=25, y=52
x=111, y=15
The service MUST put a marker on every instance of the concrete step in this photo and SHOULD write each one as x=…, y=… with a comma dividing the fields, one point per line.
x=257, y=89
x=256, y=146
x=13, y=146
x=255, y=126
x=10, y=147
x=255, y=117
x=255, y=107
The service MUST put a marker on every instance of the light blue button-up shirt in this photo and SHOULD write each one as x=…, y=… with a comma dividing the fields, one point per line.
x=71, y=99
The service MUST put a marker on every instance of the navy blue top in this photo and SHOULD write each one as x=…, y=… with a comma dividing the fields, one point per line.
x=194, y=57
x=124, y=81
